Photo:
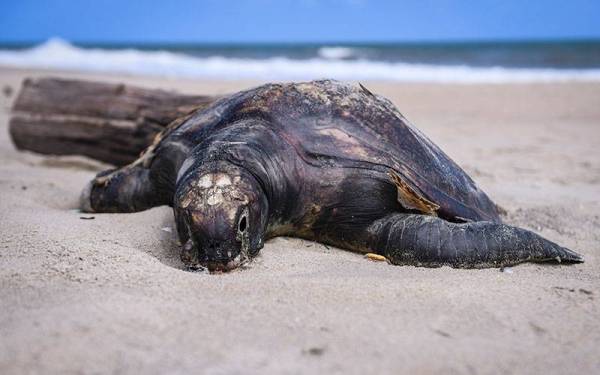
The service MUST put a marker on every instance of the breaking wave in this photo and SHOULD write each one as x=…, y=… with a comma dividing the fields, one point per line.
x=336, y=53
x=332, y=62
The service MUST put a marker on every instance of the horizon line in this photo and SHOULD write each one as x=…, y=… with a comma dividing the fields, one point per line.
x=432, y=42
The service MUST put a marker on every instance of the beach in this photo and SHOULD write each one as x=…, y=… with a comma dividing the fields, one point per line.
x=110, y=295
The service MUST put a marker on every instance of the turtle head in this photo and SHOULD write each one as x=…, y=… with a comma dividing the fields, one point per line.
x=221, y=215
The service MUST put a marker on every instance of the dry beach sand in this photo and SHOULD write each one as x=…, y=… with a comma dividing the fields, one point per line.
x=109, y=295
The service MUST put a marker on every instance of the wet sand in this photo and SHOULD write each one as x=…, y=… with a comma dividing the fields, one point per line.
x=109, y=295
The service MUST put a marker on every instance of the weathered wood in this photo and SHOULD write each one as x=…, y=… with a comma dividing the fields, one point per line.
x=108, y=122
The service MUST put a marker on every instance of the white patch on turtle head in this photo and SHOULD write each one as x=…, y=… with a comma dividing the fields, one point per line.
x=188, y=198
x=222, y=180
x=214, y=197
x=215, y=189
x=205, y=181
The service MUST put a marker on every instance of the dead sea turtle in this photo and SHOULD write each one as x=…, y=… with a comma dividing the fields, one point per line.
x=321, y=160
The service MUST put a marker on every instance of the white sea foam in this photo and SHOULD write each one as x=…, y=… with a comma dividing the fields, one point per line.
x=336, y=53
x=58, y=54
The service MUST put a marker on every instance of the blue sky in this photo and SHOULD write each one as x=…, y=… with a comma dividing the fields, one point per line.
x=217, y=21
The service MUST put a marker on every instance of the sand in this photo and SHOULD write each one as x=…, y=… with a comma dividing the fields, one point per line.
x=109, y=295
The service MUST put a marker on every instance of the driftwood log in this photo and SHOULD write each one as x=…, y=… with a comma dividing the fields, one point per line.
x=108, y=122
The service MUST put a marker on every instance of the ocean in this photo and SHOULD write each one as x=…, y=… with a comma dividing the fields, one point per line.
x=464, y=62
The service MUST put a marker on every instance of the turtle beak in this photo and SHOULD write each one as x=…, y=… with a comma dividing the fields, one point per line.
x=189, y=256
x=212, y=243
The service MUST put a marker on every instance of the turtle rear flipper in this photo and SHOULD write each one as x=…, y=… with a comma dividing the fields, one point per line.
x=432, y=242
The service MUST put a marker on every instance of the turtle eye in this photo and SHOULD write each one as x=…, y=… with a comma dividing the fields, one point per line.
x=243, y=224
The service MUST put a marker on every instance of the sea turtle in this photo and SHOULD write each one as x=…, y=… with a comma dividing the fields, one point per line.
x=320, y=160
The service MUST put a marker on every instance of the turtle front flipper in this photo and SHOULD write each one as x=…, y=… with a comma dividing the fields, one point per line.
x=428, y=241
x=128, y=189
x=147, y=182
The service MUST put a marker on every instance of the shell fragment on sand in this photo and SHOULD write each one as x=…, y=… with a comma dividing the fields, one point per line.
x=376, y=257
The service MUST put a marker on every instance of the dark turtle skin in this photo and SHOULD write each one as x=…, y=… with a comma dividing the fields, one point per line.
x=321, y=160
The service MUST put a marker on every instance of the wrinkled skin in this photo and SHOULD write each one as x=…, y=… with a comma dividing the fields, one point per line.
x=322, y=161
